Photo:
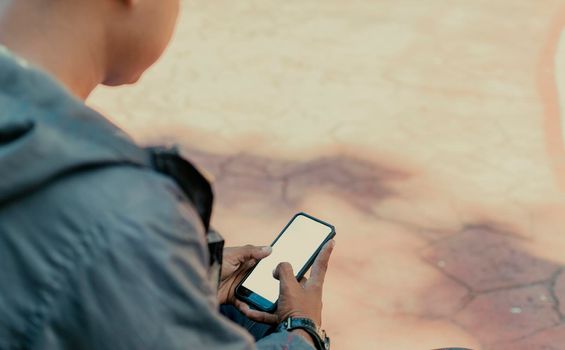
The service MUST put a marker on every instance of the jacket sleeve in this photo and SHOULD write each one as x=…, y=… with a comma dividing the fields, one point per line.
x=145, y=286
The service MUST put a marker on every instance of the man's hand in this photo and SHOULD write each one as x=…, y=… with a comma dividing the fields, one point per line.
x=236, y=262
x=303, y=299
x=297, y=299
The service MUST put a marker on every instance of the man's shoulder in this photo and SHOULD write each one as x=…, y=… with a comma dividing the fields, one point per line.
x=117, y=196
x=94, y=218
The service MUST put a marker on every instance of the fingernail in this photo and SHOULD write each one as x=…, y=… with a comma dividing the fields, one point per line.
x=267, y=249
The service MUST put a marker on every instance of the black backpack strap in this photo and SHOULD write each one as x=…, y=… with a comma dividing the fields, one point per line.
x=198, y=190
x=168, y=161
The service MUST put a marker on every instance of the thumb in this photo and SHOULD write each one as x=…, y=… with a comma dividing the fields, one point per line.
x=249, y=252
x=261, y=252
x=285, y=275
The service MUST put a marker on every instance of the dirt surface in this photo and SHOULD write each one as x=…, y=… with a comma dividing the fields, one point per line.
x=428, y=132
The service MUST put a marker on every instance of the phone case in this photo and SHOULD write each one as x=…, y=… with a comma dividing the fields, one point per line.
x=256, y=304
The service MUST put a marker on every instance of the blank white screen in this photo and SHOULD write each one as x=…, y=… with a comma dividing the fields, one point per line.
x=296, y=246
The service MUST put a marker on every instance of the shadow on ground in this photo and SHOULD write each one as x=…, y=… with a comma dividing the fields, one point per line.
x=490, y=286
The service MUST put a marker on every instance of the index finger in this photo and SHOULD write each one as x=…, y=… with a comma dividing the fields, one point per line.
x=321, y=264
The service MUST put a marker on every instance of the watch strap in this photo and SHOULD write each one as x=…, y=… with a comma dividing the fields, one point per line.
x=321, y=341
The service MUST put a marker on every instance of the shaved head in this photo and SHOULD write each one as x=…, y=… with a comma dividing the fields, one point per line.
x=87, y=42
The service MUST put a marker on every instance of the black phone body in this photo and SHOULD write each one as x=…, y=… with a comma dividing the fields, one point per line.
x=299, y=243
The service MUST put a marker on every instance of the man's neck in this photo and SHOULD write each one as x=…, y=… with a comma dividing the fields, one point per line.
x=53, y=43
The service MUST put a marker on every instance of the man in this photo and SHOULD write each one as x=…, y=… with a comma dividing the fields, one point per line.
x=103, y=243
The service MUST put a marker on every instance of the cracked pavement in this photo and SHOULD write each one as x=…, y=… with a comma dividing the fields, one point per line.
x=489, y=286
x=428, y=134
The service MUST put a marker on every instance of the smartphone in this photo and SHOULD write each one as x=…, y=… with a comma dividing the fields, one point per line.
x=298, y=243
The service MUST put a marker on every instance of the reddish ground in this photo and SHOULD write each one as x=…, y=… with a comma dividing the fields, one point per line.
x=428, y=132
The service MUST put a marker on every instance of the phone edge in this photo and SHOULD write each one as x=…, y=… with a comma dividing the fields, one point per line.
x=302, y=271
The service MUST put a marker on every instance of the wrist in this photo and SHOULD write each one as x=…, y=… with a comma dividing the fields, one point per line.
x=317, y=337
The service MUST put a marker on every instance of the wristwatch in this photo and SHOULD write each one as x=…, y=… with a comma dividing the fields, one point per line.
x=321, y=341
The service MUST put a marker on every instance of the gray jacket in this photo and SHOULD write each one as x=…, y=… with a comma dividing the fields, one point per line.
x=97, y=251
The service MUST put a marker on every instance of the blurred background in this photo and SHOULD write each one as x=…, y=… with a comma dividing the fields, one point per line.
x=427, y=131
